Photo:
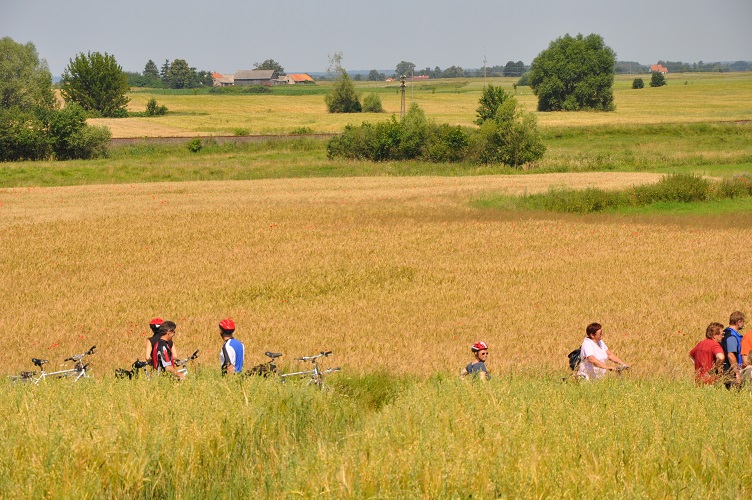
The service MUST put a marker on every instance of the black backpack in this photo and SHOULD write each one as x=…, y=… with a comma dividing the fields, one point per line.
x=574, y=359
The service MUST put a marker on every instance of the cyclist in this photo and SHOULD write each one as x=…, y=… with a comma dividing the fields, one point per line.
x=708, y=355
x=595, y=353
x=154, y=324
x=477, y=368
x=232, y=353
x=162, y=355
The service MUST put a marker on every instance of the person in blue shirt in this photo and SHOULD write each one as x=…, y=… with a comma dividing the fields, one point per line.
x=732, y=348
x=477, y=368
x=232, y=354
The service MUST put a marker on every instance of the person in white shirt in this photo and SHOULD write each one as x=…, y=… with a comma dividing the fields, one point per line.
x=594, y=355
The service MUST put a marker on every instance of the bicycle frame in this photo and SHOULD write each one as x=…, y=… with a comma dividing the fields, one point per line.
x=79, y=369
x=316, y=374
x=183, y=363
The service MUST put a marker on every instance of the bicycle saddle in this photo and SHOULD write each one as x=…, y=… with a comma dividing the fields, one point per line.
x=39, y=362
x=273, y=354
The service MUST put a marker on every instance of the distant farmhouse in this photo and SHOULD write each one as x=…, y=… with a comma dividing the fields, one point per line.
x=658, y=68
x=220, y=80
x=265, y=77
x=297, y=78
x=246, y=77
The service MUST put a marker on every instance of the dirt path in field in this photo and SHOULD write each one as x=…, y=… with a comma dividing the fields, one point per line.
x=25, y=205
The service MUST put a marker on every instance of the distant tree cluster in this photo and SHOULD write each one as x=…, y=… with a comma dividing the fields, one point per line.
x=681, y=67
x=176, y=74
x=32, y=126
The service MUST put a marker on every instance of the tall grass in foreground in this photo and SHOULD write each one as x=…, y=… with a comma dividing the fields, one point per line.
x=518, y=436
x=675, y=188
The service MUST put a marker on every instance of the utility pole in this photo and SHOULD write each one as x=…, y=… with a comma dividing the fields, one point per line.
x=484, y=70
x=402, y=101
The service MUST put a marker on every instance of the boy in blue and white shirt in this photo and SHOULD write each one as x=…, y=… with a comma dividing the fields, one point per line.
x=232, y=354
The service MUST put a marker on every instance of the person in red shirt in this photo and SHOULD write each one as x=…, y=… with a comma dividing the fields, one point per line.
x=708, y=355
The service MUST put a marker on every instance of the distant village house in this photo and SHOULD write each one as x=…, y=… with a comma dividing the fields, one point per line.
x=658, y=68
x=220, y=80
x=247, y=77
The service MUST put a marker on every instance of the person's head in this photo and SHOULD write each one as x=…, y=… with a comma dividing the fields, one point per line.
x=166, y=330
x=714, y=331
x=594, y=331
x=736, y=320
x=155, y=324
x=480, y=350
x=226, y=328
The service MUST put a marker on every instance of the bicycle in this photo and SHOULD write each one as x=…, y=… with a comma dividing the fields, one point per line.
x=183, y=363
x=79, y=370
x=316, y=374
x=136, y=368
x=267, y=368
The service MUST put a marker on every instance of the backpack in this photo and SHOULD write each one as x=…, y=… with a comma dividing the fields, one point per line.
x=574, y=359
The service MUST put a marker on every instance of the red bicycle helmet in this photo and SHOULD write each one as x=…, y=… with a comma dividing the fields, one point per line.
x=155, y=324
x=479, y=346
x=227, y=325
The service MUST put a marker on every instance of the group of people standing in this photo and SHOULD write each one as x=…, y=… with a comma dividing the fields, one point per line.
x=161, y=352
x=725, y=355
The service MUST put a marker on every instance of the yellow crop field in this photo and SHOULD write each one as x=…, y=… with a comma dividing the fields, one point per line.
x=375, y=269
x=689, y=97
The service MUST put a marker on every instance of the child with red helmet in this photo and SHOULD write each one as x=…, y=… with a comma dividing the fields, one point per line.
x=477, y=368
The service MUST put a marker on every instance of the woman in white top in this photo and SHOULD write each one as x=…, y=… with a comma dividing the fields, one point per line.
x=594, y=354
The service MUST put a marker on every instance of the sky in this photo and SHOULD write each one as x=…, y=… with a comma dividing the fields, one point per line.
x=232, y=35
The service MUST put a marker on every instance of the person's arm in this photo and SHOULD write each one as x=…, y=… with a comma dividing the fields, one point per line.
x=735, y=366
x=148, y=350
x=483, y=375
x=718, y=366
x=174, y=371
x=169, y=365
x=600, y=364
x=463, y=372
x=613, y=357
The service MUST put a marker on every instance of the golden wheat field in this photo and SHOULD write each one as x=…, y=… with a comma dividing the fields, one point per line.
x=389, y=273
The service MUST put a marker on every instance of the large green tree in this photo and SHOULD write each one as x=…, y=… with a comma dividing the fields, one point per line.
x=270, y=64
x=96, y=82
x=574, y=73
x=31, y=126
x=180, y=75
x=25, y=80
x=404, y=68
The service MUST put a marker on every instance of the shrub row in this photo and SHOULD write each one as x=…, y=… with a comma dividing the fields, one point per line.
x=676, y=188
x=511, y=140
x=42, y=134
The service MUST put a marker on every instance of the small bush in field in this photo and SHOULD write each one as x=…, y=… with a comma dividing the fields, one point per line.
x=154, y=109
x=240, y=132
x=372, y=104
x=195, y=145
x=657, y=79
x=637, y=83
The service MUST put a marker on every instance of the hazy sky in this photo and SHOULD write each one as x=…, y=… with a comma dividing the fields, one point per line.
x=229, y=35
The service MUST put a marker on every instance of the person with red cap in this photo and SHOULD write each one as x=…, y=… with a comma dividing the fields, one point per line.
x=232, y=354
x=477, y=368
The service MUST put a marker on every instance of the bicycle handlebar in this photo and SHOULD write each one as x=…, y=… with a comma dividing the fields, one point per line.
x=314, y=357
x=79, y=357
